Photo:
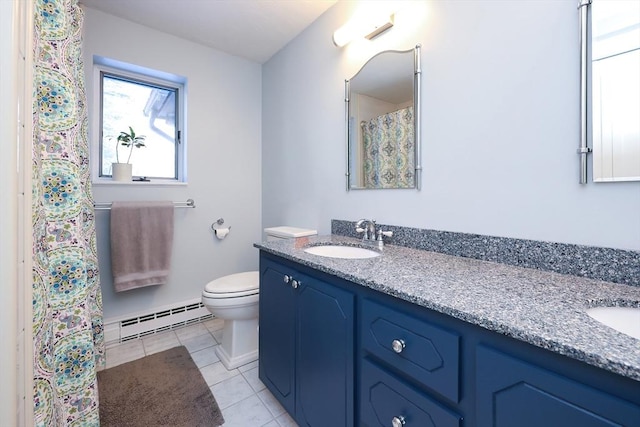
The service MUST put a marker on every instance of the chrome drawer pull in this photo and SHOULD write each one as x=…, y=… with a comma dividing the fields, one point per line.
x=287, y=279
x=398, y=421
x=295, y=284
x=398, y=346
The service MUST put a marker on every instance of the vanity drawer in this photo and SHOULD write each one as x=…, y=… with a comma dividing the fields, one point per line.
x=424, y=352
x=383, y=397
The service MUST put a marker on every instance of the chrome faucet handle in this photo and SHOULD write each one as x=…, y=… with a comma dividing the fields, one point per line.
x=363, y=230
x=384, y=233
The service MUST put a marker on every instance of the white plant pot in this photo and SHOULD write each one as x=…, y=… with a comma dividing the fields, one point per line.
x=121, y=171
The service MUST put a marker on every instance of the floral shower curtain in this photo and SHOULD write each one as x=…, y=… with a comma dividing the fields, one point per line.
x=67, y=302
x=389, y=151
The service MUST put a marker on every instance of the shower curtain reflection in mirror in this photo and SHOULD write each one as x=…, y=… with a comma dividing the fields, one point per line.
x=388, y=150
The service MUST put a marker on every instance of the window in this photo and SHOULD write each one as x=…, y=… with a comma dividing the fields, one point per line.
x=151, y=103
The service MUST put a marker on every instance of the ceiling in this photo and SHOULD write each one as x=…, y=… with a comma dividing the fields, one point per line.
x=252, y=29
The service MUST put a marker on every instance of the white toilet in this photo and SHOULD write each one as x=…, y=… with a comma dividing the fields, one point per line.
x=234, y=298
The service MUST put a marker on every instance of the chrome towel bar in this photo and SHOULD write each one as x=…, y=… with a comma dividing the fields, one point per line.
x=190, y=203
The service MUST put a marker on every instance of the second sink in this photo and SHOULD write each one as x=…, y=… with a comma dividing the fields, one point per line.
x=339, y=251
x=622, y=319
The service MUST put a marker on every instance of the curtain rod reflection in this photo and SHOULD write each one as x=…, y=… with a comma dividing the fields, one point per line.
x=190, y=203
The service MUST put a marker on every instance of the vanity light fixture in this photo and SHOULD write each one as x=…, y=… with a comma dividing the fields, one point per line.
x=363, y=26
x=380, y=28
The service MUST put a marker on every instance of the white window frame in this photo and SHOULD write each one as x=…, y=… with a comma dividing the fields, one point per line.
x=144, y=75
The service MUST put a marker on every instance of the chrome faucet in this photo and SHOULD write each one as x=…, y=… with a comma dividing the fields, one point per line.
x=371, y=233
x=369, y=228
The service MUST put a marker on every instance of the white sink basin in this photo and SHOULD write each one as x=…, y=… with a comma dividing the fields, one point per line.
x=622, y=319
x=339, y=251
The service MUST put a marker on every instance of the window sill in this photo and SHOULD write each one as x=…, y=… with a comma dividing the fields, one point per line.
x=153, y=183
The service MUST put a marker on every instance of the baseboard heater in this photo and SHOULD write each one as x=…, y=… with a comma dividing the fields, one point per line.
x=164, y=319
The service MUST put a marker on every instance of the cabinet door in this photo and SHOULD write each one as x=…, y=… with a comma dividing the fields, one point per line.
x=325, y=355
x=513, y=392
x=277, y=333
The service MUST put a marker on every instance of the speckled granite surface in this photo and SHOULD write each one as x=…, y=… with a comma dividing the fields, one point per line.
x=542, y=308
x=611, y=265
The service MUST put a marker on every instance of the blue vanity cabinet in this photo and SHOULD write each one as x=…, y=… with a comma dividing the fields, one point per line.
x=307, y=343
x=514, y=392
x=337, y=354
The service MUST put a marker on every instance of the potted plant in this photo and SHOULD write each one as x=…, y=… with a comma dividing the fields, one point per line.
x=122, y=171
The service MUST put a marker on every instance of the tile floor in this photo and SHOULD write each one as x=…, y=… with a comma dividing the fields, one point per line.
x=243, y=399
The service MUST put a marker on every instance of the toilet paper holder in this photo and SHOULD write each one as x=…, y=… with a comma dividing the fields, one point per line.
x=219, y=231
x=217, y=224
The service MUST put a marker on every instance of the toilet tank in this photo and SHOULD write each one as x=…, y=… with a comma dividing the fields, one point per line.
x=285, y=232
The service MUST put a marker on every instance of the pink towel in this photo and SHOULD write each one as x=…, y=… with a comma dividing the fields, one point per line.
x=141, y=241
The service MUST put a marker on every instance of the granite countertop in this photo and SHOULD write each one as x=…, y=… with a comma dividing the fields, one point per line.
x=538, y=307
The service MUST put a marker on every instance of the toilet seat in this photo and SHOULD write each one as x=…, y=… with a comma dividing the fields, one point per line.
x=233, y=286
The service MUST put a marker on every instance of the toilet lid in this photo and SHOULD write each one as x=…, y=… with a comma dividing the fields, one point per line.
x=246, y=283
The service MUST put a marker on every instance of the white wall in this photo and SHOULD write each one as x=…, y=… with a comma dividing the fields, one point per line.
x=500, y=127
x=224, y=156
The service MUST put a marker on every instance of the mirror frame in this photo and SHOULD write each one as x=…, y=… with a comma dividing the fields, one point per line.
x=417, y=72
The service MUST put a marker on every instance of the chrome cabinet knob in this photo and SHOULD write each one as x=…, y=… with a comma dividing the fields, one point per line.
x=295, y=284
x=398, y=345
x=398, y=421
x=287, y=279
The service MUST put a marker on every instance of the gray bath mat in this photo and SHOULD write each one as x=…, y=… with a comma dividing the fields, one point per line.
x=164, y=389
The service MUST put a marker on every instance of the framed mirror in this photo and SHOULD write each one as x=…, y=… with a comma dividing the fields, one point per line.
x=382, y=102
x=610, y=89
x=615, y=90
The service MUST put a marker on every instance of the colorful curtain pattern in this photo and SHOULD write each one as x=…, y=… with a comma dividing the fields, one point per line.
x=67, y=302
x=389, y=153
